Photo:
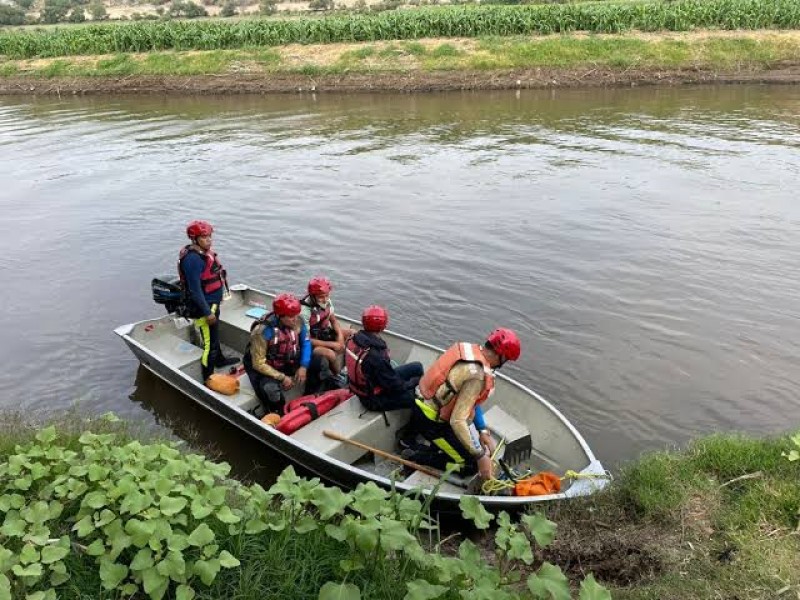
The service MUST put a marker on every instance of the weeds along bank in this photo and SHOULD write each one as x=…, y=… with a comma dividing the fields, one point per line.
x=456, y=21
x=98, y=514
x=88, y=510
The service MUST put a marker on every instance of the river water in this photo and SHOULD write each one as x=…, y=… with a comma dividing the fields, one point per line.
x=643, y=242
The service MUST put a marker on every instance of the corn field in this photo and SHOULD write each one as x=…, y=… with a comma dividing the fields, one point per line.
x=457, y=21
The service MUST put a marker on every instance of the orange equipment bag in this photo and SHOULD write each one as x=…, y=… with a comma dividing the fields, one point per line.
x=541, y=484
x=224, y=384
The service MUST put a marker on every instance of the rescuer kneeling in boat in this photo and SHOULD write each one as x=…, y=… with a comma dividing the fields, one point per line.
x=450, y=391
x=203, y=281
x=370, y=373
x=278, y=355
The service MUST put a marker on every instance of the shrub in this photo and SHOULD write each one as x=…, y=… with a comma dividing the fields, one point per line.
x=77, y=15
x=186, y=9
x=268, y=7
x=11, y=15
x=54, y=11
x=98, y=11
x=228, y=9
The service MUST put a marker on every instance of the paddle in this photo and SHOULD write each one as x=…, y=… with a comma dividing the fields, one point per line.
x=393, y=457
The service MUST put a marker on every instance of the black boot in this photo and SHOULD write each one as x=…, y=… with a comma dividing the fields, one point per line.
x=226, y=361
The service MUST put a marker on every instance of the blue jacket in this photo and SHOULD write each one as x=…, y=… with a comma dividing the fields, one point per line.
x=193, y=266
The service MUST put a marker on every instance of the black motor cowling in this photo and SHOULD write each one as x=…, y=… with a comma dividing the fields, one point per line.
x=167, y=290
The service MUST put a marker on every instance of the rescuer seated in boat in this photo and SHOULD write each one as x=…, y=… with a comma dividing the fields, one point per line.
x=327, y=334
x=203, y=281
x=460, y=380
x=278, y=355
x=370, y=373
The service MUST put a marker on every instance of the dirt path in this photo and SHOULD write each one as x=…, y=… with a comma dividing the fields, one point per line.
x=412, y=81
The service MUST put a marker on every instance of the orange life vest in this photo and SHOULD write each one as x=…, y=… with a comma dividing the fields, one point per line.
x=437, y=374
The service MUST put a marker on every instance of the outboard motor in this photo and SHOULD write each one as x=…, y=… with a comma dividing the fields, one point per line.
x=167, y=290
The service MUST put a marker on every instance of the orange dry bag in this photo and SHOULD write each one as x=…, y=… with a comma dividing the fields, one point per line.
x=224, y=384
x=540, y=484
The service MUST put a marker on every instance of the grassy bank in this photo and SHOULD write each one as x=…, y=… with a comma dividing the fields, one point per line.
x=458, y=21
x=88, y=515
x=710, y=51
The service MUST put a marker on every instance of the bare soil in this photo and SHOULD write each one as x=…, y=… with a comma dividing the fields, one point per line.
x=410, y=81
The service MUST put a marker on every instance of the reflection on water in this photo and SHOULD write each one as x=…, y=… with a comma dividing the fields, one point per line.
x=643, y=241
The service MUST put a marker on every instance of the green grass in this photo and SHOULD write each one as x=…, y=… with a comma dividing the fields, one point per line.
x=453, y=21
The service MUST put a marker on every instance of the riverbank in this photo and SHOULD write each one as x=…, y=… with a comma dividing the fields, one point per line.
x=567, y=60
x=122, y=510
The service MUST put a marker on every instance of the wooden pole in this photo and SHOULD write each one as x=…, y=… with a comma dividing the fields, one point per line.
x=393, y=457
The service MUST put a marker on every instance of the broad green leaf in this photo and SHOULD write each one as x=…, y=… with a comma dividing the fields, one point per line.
x=119, y=542
x=519, y=548
x=143, y=560
x=394, y=535
x=140, y=531
x=349, y=565
x=549, y=583
x=365, y=534
x=330, y=501
x=254, y=526
x=591, y=590
x=78, y=470
x=173, y=505
x=542, y=529
x=207, y=570
x=129, y=589
x=217, y=496
x=469, y=553
x=37, y=512
x=104, y=518
x=201, y=509
x=13, y=526
x=184, y=592
x=419, y=589
x=84, y=527
x=472, y=509
x=29, y=554
x=23, y=483
x=306, y=524
x=336, y=532
x=95, y=500
x=339, y=591
x=228, y=560
x=154, y=583
x=34, y=570
x=286, y=484
x=369, y=499
x=46, y=435
x=51, y=554
x=173, y=566
x=17, y=501
x=96, y=548
x=210, y=551
x=97, y=472
x=60, y=576
x=112, y=574
x=225, y=515
x=38, y=535
x=7, y=558
x=5, y=588
x=164, y=486
x=110, y=417
x=38, y=471
x=42, y=595
x=201, y=536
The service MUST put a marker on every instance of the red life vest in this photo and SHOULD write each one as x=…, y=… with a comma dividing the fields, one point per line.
x=301, y=411
x=319, y=320
x=354, y=356
x=213, y=274
x=436, y=376
x=283, y=350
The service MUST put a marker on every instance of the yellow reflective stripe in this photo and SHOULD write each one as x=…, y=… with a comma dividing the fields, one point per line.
x=205, y=333
x=428, y=411
x=445, y=447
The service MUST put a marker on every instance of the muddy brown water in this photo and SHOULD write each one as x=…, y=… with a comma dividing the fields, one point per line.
x=643, y=242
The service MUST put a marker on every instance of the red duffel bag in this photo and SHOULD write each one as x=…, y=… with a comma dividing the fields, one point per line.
x=301, y=411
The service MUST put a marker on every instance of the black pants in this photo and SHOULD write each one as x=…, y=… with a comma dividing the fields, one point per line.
x=270, y=391
x=209, y=336
x=397, y=400
x=445, y=447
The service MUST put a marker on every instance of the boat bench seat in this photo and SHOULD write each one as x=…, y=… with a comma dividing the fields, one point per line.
x=175, y=351
x=246, y=397
x=352, y=421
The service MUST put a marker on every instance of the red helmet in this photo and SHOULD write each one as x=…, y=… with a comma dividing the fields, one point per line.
x=286, y=305
x=505, y=342
x=375, y=318
x=319, y=286
x=198, y=228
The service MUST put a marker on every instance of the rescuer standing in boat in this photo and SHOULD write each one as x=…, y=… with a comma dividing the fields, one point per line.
x=203, y=281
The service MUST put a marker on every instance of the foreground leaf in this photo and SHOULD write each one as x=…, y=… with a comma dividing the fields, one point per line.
x=591, y=590
x=549, y=583
x=472, y=509
x=339, y=591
